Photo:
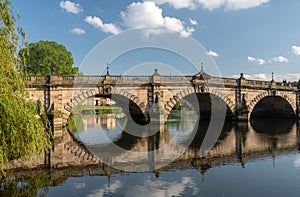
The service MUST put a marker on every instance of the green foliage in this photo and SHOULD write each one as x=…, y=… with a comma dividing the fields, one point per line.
x=174, y=115
x=22, y=131
x=29, y=184
x=75, y=123
x=47, y=57
x=183, y=105
x=177, y=106
x=108, y=109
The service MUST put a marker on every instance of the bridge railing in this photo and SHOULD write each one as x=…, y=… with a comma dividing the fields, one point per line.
x=176, y=78
x=259, y=83
x=35, y=79
x=89, y=78
x=93, y=79
x=132, y=78
x=68, y=78
x=267, y=84
x=222, y=81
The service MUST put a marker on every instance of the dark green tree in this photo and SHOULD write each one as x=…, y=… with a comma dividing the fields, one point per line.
x=47, y=58
x=22, y=132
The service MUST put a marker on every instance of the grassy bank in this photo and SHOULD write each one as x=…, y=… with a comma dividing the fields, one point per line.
x=89, y=109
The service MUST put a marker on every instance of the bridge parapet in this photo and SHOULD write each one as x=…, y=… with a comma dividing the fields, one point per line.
x=34, y=80
x=214, y=81
x=269, y=84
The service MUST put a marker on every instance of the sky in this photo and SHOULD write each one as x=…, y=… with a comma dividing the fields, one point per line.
x=254, y=37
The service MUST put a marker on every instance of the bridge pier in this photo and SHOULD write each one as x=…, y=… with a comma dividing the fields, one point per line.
x=298, y=102
x=242, y=117
x=242, y=112
x=56, y=99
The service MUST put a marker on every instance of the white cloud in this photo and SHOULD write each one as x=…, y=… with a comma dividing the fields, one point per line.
x=113, y=188
x=297, y=163
x=296, y=50
x=142, y=14
x=236, y=5
x=211, y=4
x=178, y=4
x=251, y=59
x=212, y=53
x=187, y=32
x=77, y=31
x=71, y=7
x=261, y=76
x=290, y=77
x=79, y=185
x=228, y=5
x=148, y=14
x=261, y=61
x=171, y=188
x=256, y=60
x=193, y=22
x=280, y=59
x=97, y=23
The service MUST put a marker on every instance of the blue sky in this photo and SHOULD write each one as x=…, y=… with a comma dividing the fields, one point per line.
x=256, y=37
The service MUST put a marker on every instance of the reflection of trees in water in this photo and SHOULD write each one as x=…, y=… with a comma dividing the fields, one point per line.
x=75, y=124
x=29, y=183
x=37, y=182
x=79, y=123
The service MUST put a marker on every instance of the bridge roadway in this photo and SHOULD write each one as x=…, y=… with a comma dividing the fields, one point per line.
x=60, y=94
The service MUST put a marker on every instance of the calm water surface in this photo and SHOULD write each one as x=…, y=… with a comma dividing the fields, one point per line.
x=260, y=158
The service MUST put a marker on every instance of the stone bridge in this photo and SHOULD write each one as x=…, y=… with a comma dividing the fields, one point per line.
x=143, y=94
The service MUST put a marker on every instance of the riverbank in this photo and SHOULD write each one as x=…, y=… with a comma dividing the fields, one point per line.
x=90, y=109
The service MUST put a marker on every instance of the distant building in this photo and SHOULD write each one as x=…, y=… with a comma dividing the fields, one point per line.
x=100, y=101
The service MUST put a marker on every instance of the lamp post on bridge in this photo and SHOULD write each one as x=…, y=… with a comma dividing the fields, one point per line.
x=107, y=69
x=272, y=81
x=298, y=101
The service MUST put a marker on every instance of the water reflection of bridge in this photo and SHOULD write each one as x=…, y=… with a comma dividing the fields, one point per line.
x=238, y=144
x=107, y=120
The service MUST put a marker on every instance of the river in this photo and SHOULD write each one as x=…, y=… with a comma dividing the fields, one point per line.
x=257, y=158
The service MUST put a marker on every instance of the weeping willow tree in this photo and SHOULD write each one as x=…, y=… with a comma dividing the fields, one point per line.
x=22, y=131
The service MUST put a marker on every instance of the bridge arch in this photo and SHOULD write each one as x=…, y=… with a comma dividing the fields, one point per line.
x=175, y=99
x=185, y=93
x=84, y=95
x=268, y=94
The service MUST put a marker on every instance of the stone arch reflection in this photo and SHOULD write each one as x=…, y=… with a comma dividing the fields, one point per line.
x=273, y=127
x=238, y=143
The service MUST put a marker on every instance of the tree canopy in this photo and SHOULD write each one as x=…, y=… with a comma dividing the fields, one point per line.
x=47, y=57
x=22, y=131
